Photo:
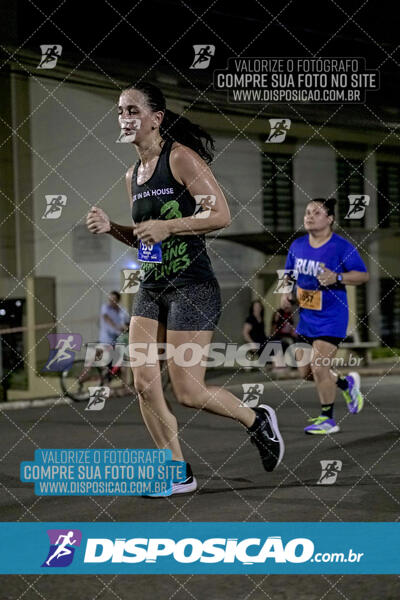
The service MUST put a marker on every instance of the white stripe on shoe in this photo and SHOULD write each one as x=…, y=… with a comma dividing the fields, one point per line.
x=356, y=377
x=273, y=421
x=184, y=488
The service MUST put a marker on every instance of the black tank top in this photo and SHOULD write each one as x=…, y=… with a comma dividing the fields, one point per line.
x=184, y=258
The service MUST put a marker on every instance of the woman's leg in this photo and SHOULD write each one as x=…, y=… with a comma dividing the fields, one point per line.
x=321, y=367
x=324, y=353
x=157, y=414
x=190, y=388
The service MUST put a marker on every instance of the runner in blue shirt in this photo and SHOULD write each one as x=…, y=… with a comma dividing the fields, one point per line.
x=325, y=263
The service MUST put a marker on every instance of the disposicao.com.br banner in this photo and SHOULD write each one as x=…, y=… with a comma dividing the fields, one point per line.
x=214, y=548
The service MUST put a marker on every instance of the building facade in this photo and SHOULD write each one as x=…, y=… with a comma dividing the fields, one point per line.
x=58, y=140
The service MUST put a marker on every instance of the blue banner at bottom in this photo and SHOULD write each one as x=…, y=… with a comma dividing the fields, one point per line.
x=211, y=548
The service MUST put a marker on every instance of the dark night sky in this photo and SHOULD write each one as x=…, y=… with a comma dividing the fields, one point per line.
x=149, y=28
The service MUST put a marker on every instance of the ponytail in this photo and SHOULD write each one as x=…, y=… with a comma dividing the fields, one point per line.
x=180, y=129
x=176, y=127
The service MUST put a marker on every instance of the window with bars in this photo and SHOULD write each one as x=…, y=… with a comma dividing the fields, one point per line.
x=278, y=203
x=388, y=194
x=350, y=180
x=390, y=311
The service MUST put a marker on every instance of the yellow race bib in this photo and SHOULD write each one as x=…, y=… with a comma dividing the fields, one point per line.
x=311, y=299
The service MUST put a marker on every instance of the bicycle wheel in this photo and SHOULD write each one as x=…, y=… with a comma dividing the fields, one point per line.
x=76, y=381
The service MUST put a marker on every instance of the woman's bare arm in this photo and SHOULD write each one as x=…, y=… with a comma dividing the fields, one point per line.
x=246, y=332
x=192, y=172
x=124, y=234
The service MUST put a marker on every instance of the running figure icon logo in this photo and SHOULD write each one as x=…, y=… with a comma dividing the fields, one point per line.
x=97, y=397
x=50, y=54
x=204, y=202
x=129, y=127
x=62, y=350
x=54, y=206
x=286, y=281
x=132, y=279
x=202, y=56
x=279, y=129
x=357, y=206
x=252, y=393
x=63, y=543
x=330, y=470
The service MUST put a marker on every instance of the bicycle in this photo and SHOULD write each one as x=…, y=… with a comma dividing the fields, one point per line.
x=76, y=381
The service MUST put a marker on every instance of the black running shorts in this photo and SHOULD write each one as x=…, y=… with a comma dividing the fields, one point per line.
x=192, y=307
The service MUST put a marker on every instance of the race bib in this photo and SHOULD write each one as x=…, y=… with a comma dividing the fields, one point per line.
x=150, y=252
x=311, y=299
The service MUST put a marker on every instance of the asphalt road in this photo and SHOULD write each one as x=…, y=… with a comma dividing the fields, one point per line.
x=232, y=487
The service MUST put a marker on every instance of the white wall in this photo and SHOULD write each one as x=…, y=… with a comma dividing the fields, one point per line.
x=314, y=173
x=237, y=167
x=89, y=168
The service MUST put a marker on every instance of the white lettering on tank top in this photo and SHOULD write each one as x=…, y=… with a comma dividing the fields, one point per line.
x=156, y=192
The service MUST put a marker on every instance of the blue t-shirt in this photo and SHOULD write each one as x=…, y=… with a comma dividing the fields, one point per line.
x=338, y=255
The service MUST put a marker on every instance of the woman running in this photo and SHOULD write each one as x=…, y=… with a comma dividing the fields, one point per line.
x=325, y=263
x=179, y=298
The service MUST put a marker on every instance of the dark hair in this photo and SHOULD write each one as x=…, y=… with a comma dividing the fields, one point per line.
x=175, y=127
x=251, y=311
x=328, y=204
x=116, y=294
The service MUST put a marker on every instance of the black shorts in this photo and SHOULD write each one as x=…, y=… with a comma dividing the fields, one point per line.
x=192, y=307
x=335, y=341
